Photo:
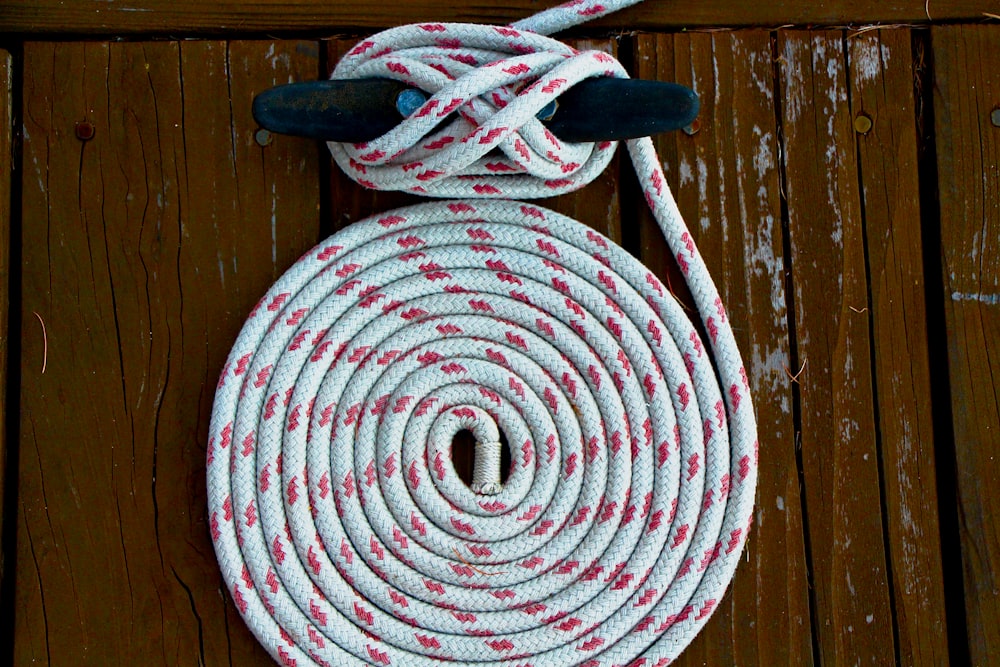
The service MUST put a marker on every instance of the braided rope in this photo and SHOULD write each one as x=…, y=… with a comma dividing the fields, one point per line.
x=342, y=529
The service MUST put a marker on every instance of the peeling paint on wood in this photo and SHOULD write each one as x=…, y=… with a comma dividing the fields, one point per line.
x=881, y=75
x=839, y=449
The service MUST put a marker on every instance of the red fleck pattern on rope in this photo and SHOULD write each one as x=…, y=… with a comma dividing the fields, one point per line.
x=342, y=529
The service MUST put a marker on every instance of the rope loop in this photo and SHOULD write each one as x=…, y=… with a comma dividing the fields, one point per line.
x=492, y=81
x=343, y=532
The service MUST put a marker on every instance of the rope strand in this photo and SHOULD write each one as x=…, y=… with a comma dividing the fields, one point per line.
x=343, y=532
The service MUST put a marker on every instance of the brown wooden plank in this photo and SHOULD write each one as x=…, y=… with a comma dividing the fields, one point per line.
x=597, y=205
x=726, y=182
x=232, y=16
x=144, y=249
x=839, y=449
x=6, y=176
x=881, y=74
x=966, y=92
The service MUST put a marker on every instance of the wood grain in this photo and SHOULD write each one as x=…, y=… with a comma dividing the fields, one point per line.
x=851, y=586
x=881, y=76
x=726, y=180
x=270, y=16
x=144, y=249
x=967, y=90
x=6, y=178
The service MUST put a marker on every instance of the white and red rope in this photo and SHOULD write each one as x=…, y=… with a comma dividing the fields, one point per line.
x=343, y=532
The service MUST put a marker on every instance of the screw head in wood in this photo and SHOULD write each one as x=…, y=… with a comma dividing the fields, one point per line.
x=995, y=117
x=863, y=123
x=84, y=130
x=263, y=137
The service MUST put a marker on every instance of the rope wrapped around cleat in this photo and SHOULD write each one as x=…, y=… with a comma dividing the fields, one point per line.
x=342, y=529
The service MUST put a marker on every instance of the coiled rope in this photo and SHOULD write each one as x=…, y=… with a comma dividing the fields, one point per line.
x=343, y=532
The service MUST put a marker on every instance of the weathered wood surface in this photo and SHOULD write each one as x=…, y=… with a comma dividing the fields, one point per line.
x=880, y=70
x=6, y=180
x=853, y=442
x=839, y=449
x=726, y=180
x=144, y=249
x=232, y=16
x=967, y=91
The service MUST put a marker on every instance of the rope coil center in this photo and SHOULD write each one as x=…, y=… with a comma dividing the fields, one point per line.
x=343, y=532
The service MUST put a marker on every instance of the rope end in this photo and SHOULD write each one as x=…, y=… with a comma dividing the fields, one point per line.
x=486, y=472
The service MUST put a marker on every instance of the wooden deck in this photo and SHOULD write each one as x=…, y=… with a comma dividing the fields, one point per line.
x=844, y=185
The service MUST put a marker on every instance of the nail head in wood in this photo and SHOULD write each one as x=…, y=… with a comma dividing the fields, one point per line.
x=263, y=137
x=863, y=123
x=995, y=117
x=84, y=131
